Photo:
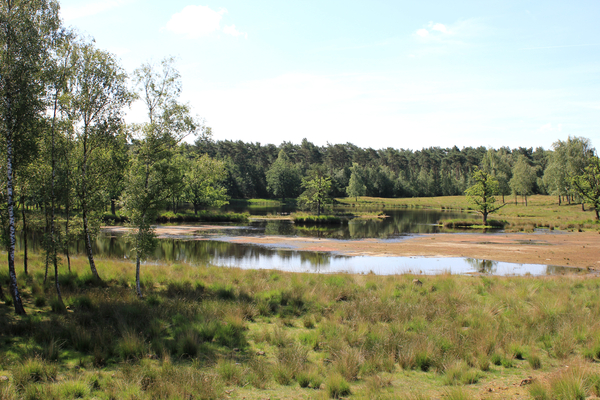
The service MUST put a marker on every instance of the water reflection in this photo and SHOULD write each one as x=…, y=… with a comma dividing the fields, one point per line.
x=396, y=224
x=227, y=254
x=483, y=266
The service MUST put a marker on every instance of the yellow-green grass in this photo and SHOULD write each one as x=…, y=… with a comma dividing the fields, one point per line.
x=540, y=212
x=209, y=332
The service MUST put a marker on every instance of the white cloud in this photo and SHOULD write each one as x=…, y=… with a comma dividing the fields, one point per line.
x=197, y=21
x=546, y=128
x=231, y=30
x=439, y=28
x=86, y=9
x=423, y=32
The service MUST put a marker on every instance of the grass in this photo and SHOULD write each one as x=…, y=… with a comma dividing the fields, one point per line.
x=540, y=212
x=207, y=332
x=314, y=219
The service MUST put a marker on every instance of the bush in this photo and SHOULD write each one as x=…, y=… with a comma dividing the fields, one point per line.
x=337, y=386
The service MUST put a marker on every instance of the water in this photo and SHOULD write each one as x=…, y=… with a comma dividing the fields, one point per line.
x=213, y=248
x=226, y=254
x=398, y=223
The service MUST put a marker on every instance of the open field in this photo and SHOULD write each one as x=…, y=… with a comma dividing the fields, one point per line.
x=207, y=333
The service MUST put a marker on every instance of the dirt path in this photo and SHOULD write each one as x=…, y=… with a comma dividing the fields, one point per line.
x=578, y=249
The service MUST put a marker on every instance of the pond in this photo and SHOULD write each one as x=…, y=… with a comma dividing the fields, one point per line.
x=223, y=253
x=397, y=223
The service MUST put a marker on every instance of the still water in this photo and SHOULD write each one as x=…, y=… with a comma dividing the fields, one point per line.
x=223, y=253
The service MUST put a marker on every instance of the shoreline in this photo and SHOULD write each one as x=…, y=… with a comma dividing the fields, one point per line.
x=565, y=249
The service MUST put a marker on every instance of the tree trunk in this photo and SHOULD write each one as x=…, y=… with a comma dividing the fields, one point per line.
x=195, y=208
x=52, y=211
x=485, y=214
x=138, y=287
x=582, y=206
x=597, y=214
x=14, y=287
x=84, y=211
x=559, y=200
x=88, y=246
x=24, y=237
x=525, y=200
x=113, y=207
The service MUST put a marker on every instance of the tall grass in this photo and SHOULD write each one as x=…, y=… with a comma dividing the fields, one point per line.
x=229, y=329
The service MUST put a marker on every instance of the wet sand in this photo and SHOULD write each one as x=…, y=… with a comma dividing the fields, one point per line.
x=573, y=249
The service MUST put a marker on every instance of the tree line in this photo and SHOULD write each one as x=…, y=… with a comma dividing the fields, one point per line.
x=268, y=171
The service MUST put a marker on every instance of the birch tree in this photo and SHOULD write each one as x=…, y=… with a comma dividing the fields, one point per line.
x=152, y=175
x=26, y=28
x=95, y=97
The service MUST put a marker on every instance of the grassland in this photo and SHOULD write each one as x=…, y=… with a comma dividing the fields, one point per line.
x=205, y=333
x=540, y=212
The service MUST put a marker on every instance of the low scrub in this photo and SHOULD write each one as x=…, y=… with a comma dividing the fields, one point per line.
x=314, y=219
x=202, y=216
x=472, y=223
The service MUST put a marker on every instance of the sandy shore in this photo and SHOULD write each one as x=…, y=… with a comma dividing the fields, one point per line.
x=577, y=249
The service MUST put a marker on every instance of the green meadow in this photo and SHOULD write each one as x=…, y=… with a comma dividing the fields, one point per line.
x=204, y=332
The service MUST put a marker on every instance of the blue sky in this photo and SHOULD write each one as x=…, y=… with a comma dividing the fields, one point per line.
x=403, y=74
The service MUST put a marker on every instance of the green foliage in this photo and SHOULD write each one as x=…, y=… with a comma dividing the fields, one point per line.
x=203, y=182
x=337, y=386
x=524, y=178
x=317, y=219
x=356, y=186
x=283, y=178
x=587, y=184
x=481, y=194
x=316, y=195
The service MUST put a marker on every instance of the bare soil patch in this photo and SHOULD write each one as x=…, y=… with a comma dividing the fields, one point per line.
x=569, y=249
x=580, y=249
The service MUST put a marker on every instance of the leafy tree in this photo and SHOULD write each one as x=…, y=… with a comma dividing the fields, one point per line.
x=203, y=181
x=356, y=186
x=524, y=178
x=556, y=178
x=497, y=163
x=26, y=31
x=481, y=194
x=587, y=184
x=283, y=178
x=94, y=100
x=152, y=176
x=317, y=187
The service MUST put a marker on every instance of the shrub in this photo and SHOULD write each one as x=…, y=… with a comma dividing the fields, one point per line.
x=32, y=371
x=131, y=346
x=337, y=386
x=535, y=362
x=537, y=391
x=229, y=372
x=303, y=379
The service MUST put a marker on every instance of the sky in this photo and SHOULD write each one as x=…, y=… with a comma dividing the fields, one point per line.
x=401, y=74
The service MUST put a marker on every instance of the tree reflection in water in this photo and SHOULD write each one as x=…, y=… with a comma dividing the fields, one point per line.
x=483, y=266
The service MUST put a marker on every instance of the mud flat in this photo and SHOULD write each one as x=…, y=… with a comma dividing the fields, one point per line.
x=569, y=249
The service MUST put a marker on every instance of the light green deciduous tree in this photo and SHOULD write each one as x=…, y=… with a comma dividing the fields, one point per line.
x=587, y=184
x=482, y=193
x=152, y=175
x=317, y=188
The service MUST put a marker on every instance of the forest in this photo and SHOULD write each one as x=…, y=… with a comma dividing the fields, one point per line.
x=69, y=156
